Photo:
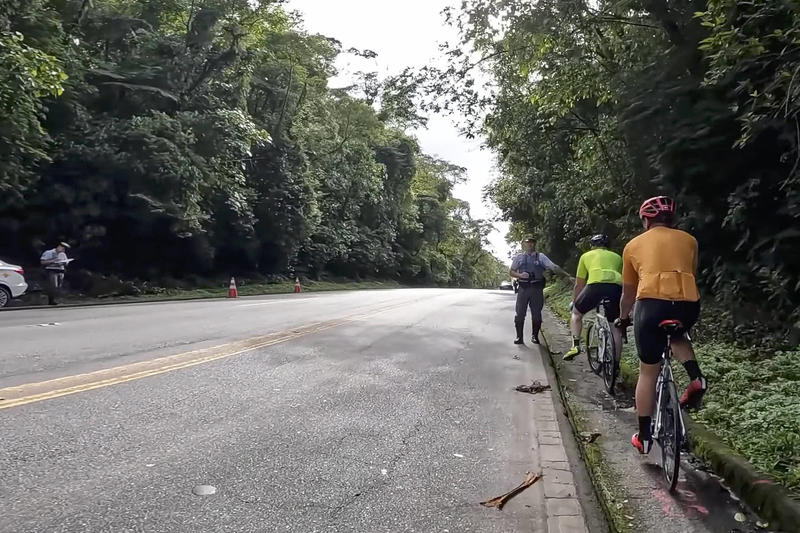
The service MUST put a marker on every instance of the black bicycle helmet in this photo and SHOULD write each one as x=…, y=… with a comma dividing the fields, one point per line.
x=600, y=240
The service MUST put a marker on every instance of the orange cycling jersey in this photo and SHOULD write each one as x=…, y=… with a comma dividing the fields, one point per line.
x=662, y=261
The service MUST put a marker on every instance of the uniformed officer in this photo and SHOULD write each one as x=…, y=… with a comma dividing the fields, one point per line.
x=529, y=268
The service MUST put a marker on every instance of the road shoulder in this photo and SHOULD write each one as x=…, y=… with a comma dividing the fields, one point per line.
x=631, y=489
x=574, y=470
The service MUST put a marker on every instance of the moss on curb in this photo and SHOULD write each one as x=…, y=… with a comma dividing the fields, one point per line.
x=608, y=491
x=770, y=500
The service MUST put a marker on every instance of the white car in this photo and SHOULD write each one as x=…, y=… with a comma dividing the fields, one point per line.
x=12, y=283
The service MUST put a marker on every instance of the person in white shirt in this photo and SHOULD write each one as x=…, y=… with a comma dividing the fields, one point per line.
x=55, y=263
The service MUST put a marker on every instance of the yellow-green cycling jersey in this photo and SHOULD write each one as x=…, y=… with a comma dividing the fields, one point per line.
x=600, y=266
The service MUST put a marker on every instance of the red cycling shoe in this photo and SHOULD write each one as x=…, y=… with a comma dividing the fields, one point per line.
x=643, y=446
x=692, y=397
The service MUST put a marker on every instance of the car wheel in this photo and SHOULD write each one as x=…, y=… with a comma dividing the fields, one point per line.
x=5, y=297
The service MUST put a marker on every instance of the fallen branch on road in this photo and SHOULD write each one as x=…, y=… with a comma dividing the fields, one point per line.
x=500, y=501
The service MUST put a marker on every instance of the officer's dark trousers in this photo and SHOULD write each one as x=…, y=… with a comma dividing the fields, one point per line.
x=531, y=296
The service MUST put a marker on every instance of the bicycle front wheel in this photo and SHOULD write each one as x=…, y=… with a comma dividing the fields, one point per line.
x=610, y=368
x=669, y=438
x=593, y=348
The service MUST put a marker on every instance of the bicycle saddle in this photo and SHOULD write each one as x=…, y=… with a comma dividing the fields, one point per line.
x=671, y=325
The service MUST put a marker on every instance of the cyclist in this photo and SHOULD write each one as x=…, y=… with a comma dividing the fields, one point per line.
x=658, y=275
x=599, y=278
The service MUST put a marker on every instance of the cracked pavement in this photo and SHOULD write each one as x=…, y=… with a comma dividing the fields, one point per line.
x=402, y=421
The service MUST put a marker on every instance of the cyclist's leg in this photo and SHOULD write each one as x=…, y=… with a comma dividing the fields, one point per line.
x=646, y=396
x=650, y=343
x=682, y=350
x=575, y=325
x=687, y=313
x=585, y=302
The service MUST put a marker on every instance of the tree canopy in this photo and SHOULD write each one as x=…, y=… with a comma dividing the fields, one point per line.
x=178, y=137
x=593, y=106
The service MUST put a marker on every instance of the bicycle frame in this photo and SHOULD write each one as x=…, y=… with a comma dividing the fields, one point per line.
x=602, y=324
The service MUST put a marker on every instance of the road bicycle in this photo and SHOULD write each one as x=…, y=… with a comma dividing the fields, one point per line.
x=668, y=429
x=601, y=348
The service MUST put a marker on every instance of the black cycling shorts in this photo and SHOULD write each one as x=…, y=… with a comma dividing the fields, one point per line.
x=592, y=294
x=649, y=313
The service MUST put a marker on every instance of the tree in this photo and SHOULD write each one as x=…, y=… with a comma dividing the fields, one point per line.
x=595, y=106
x=172, y=138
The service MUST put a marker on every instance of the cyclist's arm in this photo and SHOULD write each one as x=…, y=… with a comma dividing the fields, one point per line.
x=627, y=300
x=581, y=277
x=579, y=285
x=630, y=282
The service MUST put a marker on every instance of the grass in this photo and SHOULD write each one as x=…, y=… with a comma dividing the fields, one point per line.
x=753, y=403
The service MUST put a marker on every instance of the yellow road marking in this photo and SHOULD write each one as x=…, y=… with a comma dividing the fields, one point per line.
x=54, y=388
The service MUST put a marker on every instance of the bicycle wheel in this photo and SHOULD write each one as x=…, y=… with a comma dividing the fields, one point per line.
x=593, y=347
x=669, y=438
x=610, y=368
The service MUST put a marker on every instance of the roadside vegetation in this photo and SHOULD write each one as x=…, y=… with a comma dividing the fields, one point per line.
x=172, y=139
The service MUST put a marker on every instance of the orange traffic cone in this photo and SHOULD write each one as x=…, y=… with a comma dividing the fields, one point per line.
x=297, y=287
x=232, y=292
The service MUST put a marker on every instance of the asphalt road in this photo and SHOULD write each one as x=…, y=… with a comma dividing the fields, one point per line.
x=358, y=411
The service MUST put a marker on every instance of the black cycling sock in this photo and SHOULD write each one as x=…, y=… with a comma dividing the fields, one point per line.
x=693, y=369
x=644, y=427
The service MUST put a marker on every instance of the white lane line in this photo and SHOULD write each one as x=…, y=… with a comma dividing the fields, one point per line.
x=274, y=302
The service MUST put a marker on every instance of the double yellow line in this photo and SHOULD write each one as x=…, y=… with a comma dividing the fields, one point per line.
x=54, y=388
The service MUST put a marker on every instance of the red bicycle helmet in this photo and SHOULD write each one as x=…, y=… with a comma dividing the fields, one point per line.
x=652, y=207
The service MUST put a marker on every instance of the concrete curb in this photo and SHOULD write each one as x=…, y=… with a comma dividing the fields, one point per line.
x=604, y=495
x=771, y=501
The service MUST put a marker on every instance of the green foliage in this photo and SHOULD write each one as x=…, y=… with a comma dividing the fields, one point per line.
x=27, y=75
x=596, y=106
x=181, y=137
x=755, y=406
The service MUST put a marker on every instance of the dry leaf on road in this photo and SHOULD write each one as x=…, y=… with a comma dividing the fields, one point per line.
x=533, y=388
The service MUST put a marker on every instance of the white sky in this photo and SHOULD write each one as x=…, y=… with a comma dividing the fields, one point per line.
x=407, y=34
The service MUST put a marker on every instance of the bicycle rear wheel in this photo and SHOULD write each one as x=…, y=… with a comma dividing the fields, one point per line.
x=593, y=347
x=610, y=368
x=669, y=438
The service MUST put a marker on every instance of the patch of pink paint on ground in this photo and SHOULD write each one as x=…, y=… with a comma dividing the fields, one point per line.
x=683, y=503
